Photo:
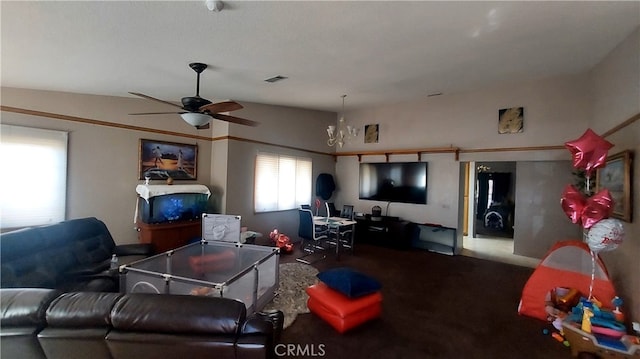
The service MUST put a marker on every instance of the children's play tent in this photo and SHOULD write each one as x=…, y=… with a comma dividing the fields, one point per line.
x=568, y=264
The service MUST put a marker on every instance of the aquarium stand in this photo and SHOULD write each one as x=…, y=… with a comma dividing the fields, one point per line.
x=169, y=216
x=167, y=236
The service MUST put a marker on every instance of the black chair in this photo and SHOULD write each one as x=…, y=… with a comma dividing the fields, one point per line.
x=313, y=236
x=344, y=234
x=305, y=206
x=331, y=208
x=347, y=211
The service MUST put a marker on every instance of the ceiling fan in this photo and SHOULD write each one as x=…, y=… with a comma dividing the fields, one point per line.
x=198, y=111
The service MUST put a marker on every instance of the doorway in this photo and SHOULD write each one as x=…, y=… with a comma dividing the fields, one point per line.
x=489, y=207
x=538, y=220
x=494, y=199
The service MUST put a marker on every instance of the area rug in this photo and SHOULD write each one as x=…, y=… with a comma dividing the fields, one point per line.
x=291, y=297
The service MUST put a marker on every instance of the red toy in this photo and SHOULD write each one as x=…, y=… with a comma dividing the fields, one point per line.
x=283, y=242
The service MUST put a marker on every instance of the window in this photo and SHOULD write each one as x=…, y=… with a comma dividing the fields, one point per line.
x=33, y=185
x=281, y=182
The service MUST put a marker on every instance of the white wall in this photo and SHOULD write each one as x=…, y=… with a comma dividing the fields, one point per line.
x=286, y=126
x=615, y=86
x=103, y=160
x=555, y=110
x=240, y=187
x=539, y=216
x=616, y=94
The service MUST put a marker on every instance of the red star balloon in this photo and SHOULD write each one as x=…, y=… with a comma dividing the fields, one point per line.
x=572, y=202
x=589, y=151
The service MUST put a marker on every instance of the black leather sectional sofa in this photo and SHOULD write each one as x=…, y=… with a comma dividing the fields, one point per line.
x=73, y=255
x=45, y=323
x=59, y=299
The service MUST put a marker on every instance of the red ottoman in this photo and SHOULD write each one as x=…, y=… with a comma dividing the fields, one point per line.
x=341, y=312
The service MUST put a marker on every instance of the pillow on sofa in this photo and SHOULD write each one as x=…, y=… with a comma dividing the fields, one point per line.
x=349, y=282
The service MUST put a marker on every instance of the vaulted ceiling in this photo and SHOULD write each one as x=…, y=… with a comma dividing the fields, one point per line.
x=375, y=52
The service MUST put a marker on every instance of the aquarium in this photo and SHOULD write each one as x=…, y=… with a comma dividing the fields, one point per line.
x=171, y=203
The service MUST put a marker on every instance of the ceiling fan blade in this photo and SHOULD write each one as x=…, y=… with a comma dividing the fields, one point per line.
x=225, y=106
x=204, y=127
x=156, y=113
x=233, y=119
x=155, y=99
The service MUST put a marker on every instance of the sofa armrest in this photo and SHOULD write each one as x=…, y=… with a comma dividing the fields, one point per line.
x=265, y=322
x=258, y=346
x=136, y=249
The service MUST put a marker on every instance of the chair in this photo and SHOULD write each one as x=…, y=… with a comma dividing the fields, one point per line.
x=344, y=234
x=313, y=236
x=347, y=211
x=331, y=210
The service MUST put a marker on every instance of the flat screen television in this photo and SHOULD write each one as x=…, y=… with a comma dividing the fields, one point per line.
x=404, y=182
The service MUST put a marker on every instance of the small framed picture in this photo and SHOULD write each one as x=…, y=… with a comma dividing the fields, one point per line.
x=616, y=177
x=159, y=160
x=371, y=133
x=511, y=120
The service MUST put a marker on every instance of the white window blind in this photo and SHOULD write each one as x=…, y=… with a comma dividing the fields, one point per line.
x=33, y=185
x=281, y=182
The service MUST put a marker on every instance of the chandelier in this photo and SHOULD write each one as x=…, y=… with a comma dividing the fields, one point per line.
x=344, y=132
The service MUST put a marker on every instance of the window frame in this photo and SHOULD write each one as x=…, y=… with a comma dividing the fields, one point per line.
x=302, y=194
x=28, y=146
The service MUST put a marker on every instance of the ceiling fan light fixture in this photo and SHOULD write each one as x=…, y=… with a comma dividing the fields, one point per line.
x=195, y=119
x=198, y=111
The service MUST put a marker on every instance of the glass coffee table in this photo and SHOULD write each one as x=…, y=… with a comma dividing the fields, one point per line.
x=245, y=272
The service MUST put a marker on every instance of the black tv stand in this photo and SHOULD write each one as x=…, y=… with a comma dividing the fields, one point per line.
x=385, y=231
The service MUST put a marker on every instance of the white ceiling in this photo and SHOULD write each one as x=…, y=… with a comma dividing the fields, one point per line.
x=375, y=52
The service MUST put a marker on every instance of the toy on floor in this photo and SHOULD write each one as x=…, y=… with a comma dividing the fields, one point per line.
x=607, y=339
x=558, y=303
x=281, y=241
x=587, y=314
x=600, y=345
x=617, y=302
x=557, y=336
x=593, y=319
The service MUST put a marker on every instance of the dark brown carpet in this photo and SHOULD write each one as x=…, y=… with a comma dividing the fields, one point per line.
x=435, y=306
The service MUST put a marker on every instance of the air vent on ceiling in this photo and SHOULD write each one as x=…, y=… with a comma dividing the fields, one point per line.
x=434, y=94
x=276, y=79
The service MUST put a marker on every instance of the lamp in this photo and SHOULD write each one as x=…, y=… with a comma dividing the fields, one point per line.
x=195, y=119
x=344, y=131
